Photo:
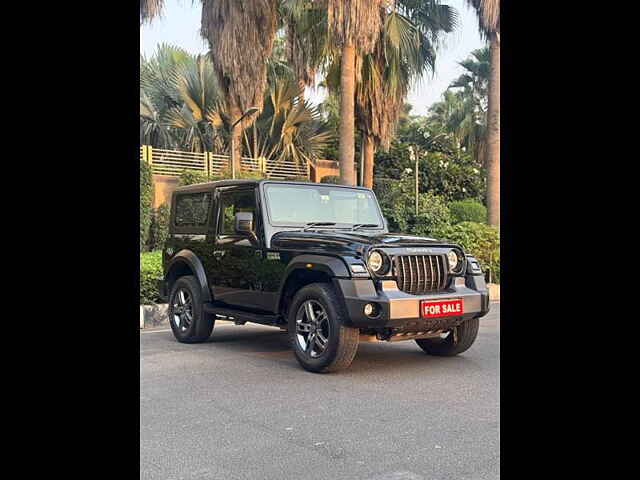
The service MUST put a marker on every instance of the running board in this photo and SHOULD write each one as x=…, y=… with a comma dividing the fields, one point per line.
x=240, y=317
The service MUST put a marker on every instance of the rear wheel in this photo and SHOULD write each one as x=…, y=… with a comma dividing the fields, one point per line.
x=456, y=341
x=319, y=339
x=189, y=322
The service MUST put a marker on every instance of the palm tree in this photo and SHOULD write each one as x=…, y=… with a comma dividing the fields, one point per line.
x=489, y=23
x=198, y=118
x=150, y=9
x=289, y=129
x=452, y=117
x=404, y=52
x=354, y=28
x=240, y=36
x=474, y=84
x=159, y=94
x=305, y=26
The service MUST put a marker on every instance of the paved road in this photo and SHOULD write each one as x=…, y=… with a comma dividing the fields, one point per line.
x=240, y=407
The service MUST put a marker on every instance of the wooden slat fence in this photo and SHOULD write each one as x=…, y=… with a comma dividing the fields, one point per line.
x=174, y=162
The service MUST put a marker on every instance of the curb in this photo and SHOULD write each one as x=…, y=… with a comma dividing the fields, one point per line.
x=154, y=315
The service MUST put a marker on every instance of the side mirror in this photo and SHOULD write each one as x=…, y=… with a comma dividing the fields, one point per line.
x=244, y=223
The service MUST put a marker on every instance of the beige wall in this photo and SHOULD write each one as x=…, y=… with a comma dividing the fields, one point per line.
x=324, y=168
x=163, y=186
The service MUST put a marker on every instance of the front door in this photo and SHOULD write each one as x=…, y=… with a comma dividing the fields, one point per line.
x=239, y=258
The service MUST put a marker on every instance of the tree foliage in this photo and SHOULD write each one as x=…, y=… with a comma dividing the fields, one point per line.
x=146, y=203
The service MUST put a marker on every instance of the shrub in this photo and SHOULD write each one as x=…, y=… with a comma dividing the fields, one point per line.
x=159, y=227
x=150, y=270
x=335, y=179
x=433, y=215
x=480, y=240
x=146, y=202
x=468, y=211
x=397, y=200
x=243, y=174
x=190, y=177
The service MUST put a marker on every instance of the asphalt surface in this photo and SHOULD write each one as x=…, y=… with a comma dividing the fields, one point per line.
x=240, y=407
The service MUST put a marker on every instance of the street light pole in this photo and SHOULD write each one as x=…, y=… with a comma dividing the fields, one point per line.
x=249, y=111
x=417, y=165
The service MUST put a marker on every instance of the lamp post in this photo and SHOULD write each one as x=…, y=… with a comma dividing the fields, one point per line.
x=249, y=111
x=413, y=155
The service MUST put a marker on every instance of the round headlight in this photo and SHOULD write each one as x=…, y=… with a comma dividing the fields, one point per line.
x=376, y=262
x=453, y=260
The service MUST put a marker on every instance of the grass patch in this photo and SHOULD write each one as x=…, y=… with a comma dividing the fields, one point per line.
x=150, y=270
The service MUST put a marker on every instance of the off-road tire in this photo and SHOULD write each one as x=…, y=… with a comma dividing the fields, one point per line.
x=465, y=335
x=342, y=342
x=201, y=326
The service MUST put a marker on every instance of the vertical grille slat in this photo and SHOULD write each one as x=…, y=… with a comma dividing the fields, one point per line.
x=418, y=274
x=432, y=274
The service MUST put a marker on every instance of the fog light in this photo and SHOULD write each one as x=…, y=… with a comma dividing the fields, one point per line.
x=370, y=310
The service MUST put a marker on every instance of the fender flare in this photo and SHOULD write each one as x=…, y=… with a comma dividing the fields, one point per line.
x=332, y=266
x=193, y=262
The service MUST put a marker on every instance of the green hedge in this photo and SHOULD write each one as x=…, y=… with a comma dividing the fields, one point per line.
x=468, y=211
x=150, y=270
x=146, y=203
x=190, y=177
x=480, y=240
x=159, y=230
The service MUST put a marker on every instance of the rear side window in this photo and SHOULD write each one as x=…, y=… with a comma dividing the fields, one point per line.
x=192, y=209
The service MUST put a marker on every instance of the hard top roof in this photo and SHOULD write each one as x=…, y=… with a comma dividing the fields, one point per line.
x=199, y=187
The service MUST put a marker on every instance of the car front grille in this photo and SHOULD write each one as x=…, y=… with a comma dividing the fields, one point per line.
x=420, y=274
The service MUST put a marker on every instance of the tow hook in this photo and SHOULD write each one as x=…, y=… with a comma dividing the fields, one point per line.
x=455, y=335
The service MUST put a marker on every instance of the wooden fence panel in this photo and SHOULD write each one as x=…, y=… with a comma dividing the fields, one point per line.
x=174, y=162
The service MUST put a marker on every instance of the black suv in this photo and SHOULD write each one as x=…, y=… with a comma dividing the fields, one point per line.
x=318, y=261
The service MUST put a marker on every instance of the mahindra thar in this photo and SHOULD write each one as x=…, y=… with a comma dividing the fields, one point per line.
x=316, y=260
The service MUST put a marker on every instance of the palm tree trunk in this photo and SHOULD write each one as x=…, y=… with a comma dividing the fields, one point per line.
x=236, y=133
x=301, y=86
x=347, y=115
x=493, y=136
x=369, y=151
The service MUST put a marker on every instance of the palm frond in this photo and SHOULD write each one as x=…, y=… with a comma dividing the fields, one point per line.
x=150, y=9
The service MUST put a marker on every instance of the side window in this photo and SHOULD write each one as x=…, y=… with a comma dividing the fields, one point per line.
x=192, y=209
x=232, y=203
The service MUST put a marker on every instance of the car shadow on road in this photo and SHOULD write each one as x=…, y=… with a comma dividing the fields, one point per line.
x=274, y=344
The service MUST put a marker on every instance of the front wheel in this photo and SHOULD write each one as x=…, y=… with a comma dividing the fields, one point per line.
x=319, y=339
x=457, y=340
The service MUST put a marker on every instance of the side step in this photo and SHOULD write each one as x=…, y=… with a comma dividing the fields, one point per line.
x=240, y=317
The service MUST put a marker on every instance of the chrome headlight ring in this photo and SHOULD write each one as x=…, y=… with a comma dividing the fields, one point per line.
x=457, y=261
x=379, y=263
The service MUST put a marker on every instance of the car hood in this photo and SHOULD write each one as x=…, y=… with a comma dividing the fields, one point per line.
x=332, y=239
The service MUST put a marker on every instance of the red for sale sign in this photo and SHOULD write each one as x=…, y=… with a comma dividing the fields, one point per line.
x=441, y=308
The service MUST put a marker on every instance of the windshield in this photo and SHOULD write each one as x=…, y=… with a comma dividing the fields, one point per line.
x=298, y=205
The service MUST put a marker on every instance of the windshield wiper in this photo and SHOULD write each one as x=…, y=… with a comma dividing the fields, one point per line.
x=317, y=224
x=363, y=225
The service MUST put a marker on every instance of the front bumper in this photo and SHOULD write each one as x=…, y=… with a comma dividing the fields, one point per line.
x=400, y=310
